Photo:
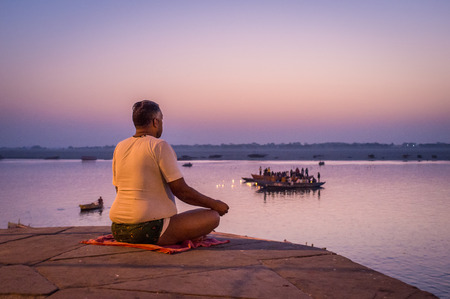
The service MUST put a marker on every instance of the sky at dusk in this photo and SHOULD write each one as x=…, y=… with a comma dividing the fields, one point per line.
x=225, y=71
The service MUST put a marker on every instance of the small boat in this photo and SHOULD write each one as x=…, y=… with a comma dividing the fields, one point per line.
x=98, y=205
x=52, y=158
x=256, y=155
x=321, y=163
x=187, y=164
x=88, y=158
x=17, y=225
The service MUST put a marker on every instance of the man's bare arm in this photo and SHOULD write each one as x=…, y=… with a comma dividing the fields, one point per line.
x=191, y=196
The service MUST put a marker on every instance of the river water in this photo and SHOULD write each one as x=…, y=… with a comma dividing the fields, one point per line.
x=391, y=216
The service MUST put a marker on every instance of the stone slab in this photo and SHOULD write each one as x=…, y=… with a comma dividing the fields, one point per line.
x=113, y=268
x=245, y=267
x=12, y=234
x=99, y=293
x=94, y=251
x=6, y=238
x=38, y=248
x=22, y=280
x=243, y=282
x=96, y=230
x=33, y=230
x=278, y=254
x=334, y=276
x=248, y=243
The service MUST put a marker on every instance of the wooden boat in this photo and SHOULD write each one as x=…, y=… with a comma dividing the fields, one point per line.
x=98, y=205
x=271, y=183
x=248, y=180
x=17, y=225
x=263, y=178
x=276, y=186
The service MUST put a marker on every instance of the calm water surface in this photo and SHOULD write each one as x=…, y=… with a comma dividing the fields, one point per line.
x=390, y=216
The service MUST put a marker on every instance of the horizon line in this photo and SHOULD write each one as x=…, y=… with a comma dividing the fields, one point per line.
x=300, y=144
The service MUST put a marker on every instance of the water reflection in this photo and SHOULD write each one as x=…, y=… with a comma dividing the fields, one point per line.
x=91, y=212
x=92, y=216
x=292, y=193
x=403, y=207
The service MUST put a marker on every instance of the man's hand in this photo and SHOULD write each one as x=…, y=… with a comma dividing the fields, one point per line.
x=221, y=207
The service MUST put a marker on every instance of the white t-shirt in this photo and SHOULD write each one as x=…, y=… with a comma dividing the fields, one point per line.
x=142, y=167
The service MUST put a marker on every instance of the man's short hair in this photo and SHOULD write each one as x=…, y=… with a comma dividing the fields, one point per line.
x=144, y=112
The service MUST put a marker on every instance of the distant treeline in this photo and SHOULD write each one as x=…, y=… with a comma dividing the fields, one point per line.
x=255, y=146
x=38, y=147
x=268, y=151
x=38, y=152
x=318, y=145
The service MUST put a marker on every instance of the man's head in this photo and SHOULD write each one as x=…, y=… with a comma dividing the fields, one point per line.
x=147, y=114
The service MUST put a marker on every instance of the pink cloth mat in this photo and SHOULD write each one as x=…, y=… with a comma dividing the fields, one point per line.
x=108, y=240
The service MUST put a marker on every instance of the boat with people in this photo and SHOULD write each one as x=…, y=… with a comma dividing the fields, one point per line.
x=273, y=182
x=293, y=179
x=98, y=205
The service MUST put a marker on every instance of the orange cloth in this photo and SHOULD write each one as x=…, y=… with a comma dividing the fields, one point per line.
x=108, y=240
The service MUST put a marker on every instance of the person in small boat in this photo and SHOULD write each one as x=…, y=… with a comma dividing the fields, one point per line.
x=147, y=177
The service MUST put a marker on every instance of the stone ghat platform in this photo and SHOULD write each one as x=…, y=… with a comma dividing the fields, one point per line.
x=51, y=263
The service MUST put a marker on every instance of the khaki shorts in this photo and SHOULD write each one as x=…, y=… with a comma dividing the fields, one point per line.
x=139, y=233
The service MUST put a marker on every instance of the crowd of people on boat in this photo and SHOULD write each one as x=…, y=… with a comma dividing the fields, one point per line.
x=292, y=175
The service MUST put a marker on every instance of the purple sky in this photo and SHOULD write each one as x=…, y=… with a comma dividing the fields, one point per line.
x=225, y=71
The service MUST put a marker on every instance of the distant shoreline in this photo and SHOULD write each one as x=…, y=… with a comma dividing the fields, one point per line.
x=292, y=151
